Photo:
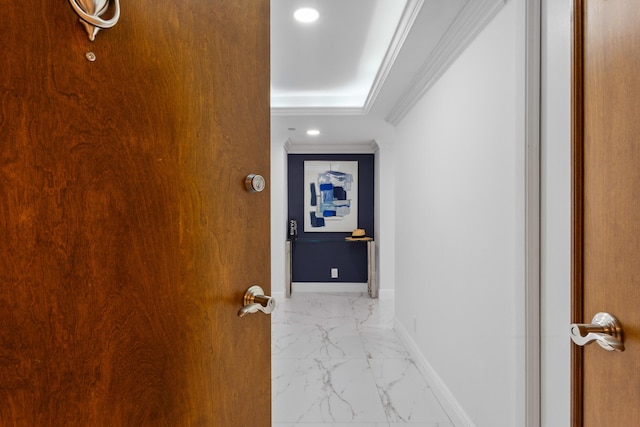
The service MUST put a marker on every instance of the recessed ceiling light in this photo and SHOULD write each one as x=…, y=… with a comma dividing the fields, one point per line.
x=306, y=15
x=313, y=132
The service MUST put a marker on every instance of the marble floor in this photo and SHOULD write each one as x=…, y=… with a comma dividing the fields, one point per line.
x=337, y=362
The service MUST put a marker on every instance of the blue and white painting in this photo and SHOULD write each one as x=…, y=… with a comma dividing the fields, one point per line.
x=330, y=196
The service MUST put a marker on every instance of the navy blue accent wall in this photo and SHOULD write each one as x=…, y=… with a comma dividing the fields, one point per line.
x=314, y=254
x=313, y=261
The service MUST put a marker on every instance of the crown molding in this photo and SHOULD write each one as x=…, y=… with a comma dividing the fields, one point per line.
x=407, y=19
x=318, y=111
x=409, y=15
x=367, y=148
x=471, y=20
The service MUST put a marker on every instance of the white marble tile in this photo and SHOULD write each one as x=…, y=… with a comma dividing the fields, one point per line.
x=337, y=362
x=418, y=424
x=405, y=395
x=328, y=339
x=325, y=390
x=324, y=304
x=383, y=344
x=425, y=424
x=308, y=308
x=375, y=314
x=338, y=425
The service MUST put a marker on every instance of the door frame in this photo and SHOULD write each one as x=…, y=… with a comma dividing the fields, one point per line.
x=532, y=212
x=577, y=203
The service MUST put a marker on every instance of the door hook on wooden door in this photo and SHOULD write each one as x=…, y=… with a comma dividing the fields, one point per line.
x=255, y=300
x=603, y=329
x=90, y=12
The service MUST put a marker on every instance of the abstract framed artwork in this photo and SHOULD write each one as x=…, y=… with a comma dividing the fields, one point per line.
x=330, y=196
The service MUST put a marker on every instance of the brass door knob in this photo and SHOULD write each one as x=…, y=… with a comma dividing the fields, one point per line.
x=255, y=300
x=603, y=329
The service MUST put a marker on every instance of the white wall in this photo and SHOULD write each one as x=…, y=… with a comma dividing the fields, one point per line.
x=279, y=218
x=556, y=211
x=385, y=201
x=459, y=180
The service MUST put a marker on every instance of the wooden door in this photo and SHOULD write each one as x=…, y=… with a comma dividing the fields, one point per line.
x=606, y=385
x=127, y=237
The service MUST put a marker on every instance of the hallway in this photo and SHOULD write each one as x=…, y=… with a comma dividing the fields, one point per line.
x=337, y=362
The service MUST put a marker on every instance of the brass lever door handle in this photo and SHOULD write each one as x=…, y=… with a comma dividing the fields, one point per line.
x=90, y=12
x=603, y=329
x=255, y=300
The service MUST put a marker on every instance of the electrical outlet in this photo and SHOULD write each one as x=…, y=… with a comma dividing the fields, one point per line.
x=334, y=273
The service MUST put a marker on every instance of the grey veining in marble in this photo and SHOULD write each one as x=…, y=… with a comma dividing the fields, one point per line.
x=337, y=362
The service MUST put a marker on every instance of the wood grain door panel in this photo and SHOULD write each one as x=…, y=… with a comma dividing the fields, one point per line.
x=125, y=228
x=607, y=206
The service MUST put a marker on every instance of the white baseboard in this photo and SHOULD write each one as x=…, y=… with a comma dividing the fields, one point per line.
x=329, y=287
x=449, y=403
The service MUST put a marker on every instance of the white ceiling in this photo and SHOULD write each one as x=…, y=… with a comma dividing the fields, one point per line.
x=362, y=65
x=333, y=61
